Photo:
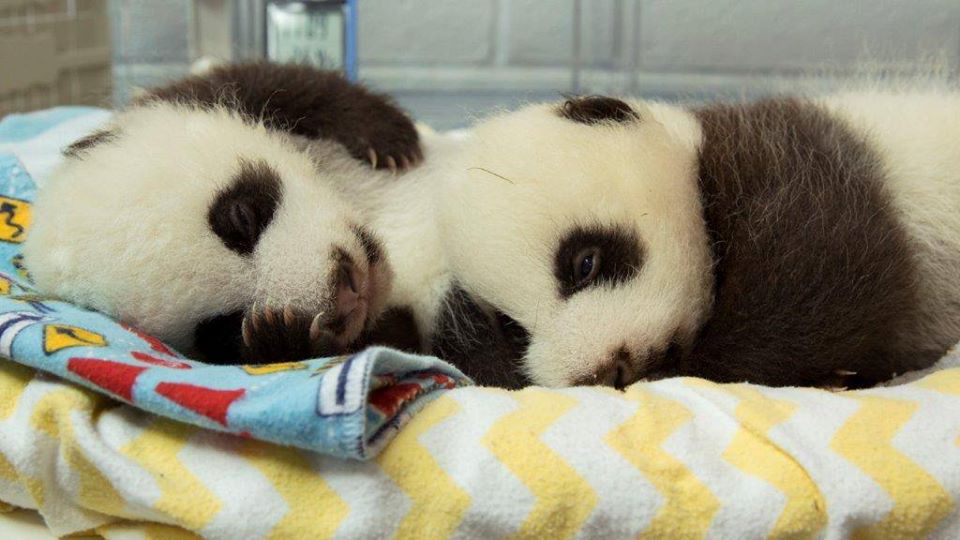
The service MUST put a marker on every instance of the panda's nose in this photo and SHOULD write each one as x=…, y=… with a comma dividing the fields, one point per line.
x=349, y=285
x=619, y=371
x=624, y=368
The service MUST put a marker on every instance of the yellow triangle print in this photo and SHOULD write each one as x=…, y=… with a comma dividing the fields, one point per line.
x=15, y=219
x=5, y=286
x=61, y=336
x=267, y=369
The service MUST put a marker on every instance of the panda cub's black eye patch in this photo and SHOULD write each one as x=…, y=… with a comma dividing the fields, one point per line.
x=240, y=212
x=597, y=255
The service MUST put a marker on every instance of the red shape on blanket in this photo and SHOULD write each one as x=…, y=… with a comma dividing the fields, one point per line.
x=115, y=377
x=153, y=342
x=442, y=380
x=175, y=364
x=209, y=402
x=389, y=398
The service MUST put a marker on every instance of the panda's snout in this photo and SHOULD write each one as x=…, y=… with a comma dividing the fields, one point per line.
x=350, y=284
x=623, y=367
x=618, y=371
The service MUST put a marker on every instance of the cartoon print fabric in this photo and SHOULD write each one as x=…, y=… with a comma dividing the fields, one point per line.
x=346, y=406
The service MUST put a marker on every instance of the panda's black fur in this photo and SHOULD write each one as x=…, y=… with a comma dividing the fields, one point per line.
x=814, y=281
x=307, y=102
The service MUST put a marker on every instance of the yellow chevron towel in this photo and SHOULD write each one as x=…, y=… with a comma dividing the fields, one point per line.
x=680, y=458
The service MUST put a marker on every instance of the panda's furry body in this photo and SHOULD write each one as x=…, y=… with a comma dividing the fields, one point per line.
x=594, y=241
x=786, y=241
x=209, y=213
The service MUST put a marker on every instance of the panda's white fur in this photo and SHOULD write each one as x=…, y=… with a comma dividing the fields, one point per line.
x=530, y=175
x=122, y=227
x=402, y=215
x=501, y=233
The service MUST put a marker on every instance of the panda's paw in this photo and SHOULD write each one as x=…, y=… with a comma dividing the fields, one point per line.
x=271, y=335
x=389, y=141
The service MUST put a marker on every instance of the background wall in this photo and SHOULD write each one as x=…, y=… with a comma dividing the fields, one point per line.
x=451, y=59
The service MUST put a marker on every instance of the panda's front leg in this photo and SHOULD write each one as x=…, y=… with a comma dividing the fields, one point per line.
x=271, y=335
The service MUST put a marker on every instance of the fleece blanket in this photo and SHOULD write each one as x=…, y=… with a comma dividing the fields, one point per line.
x=346, y=406
x=680, y=458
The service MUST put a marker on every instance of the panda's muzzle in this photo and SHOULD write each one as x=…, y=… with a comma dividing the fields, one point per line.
x=623, y=367
x=354, y=293
x=350, y=286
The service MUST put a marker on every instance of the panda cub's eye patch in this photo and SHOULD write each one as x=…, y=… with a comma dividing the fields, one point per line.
x=240, y=213
x=591, y=256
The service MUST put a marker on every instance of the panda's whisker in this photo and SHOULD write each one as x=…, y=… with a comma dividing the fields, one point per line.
x=504, y=178
x=262, y=117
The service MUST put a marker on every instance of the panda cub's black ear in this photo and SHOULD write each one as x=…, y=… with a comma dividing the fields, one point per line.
x=242, y=211
x=597, y=109
x=98, y=137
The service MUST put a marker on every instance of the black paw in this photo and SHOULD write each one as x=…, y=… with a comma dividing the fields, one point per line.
x=388, y=140
x=271, y=335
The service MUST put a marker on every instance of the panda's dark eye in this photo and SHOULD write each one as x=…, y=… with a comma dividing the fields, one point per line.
x=586, y=265
x=596, y=256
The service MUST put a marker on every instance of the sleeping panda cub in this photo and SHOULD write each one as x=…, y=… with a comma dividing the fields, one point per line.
x=208, y=214
x=786, y=241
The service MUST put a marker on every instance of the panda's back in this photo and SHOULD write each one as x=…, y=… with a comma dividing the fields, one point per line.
x=833, y=240
x=916, y=134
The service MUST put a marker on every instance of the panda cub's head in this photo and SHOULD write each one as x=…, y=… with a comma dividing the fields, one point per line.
x=180, y=220
x=581, y=223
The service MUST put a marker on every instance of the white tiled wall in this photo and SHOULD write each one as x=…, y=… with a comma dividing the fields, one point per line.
x=724, y=37
x=450, y=32
x=776, y=35
x=517, y=48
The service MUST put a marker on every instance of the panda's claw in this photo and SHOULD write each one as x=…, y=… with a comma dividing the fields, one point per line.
x=245, y=332
x=392, y=164
x=285, y=333
x=255, y=316
x=405, y=162
x=316, y=327
x=372, y=155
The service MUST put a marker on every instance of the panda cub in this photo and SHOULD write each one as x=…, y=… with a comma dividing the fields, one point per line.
x=786, y=241
x=209, y=213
